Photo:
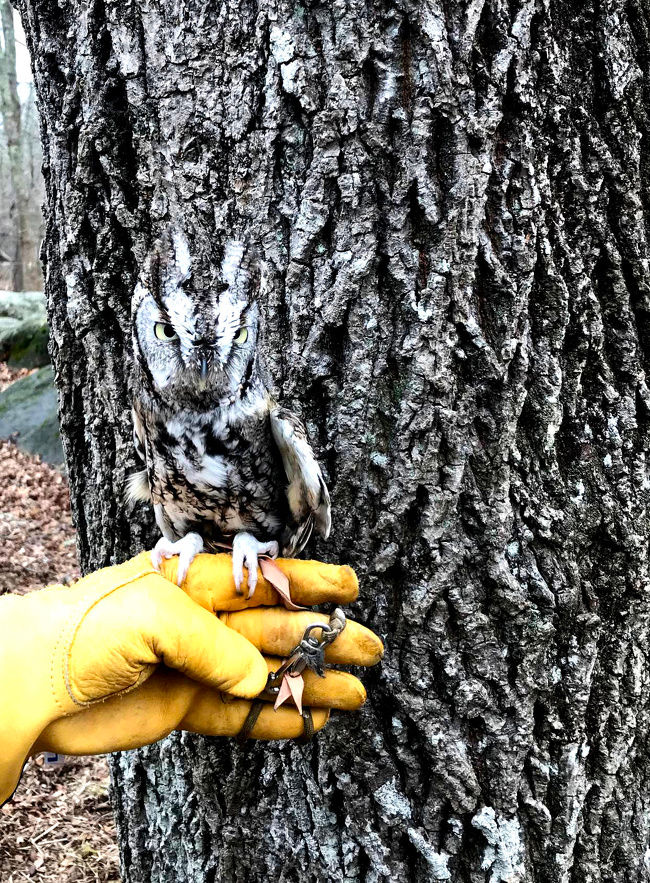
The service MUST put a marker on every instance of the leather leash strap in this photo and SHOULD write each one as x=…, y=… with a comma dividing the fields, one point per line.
x=254, y=712
x=251, y=720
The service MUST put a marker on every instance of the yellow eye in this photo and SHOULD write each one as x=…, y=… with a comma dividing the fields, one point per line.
x=242, y=336
x=165, y=331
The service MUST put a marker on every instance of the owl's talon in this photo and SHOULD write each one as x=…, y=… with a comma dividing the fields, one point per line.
x=163, y=549
x=187, y=548
x=245, y=550
x=251, y=566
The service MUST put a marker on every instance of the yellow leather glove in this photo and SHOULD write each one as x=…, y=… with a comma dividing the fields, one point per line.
x=124, y=657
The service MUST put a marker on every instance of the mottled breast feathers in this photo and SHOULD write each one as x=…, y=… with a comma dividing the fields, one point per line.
x=264, y=478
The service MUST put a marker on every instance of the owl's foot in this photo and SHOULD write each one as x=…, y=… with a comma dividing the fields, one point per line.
x=186, y=548
x=245, y=549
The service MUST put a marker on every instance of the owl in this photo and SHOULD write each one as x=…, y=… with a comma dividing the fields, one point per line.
x=221, y=461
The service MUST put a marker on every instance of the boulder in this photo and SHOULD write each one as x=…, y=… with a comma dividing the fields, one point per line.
x=29, y=415
x=23, y=329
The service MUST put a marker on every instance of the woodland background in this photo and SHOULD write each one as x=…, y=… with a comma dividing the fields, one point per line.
x=59, y=826
x=21, y=183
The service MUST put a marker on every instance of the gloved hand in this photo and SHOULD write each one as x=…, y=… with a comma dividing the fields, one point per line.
x=81, y=668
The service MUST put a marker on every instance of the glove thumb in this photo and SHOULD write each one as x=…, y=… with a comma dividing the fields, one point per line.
x=160, y=624
x=196, y=643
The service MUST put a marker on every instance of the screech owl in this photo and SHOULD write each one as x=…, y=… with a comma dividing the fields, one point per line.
x=221, y=461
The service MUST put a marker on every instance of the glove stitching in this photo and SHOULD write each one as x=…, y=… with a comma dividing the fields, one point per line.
x=69, y=631
x=53, y=661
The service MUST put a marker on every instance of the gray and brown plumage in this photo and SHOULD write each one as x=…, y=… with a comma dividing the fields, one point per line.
x=221, y=460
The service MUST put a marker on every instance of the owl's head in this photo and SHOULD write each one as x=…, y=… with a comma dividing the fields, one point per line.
x=195, y=331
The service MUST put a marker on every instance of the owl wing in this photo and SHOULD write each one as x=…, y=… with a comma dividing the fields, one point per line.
x=137, y=484
x=307, y=495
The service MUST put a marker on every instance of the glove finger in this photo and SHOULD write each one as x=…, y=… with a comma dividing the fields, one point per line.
x=127, y=721
x=315, y=582
x=167, y=701
x=277, y=631
x=227, y=719
x=210, y=583
x=191, y=640
x=338, y=689
x=156, y=622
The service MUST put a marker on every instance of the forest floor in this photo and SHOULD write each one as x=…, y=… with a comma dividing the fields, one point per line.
x=59, y=825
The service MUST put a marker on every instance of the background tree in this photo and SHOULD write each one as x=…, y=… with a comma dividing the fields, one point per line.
x=34, y=191
x=10, y=109
x=452, y=201
x=21, y=184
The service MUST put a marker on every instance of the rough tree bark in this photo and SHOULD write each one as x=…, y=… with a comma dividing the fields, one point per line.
x=452, y=199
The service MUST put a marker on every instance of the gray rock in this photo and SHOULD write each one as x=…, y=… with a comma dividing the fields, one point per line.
x=23, y=305
x=23, y=329
x=29, y=415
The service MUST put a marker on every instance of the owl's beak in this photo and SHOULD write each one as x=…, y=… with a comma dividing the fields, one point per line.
x=203, y=372
x=203, y=352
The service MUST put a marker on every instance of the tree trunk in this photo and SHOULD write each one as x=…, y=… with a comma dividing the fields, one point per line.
x=34, y=194
x=11, y=119
x=452, y=199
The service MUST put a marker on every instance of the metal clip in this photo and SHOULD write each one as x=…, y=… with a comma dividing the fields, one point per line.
x=309, y=653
